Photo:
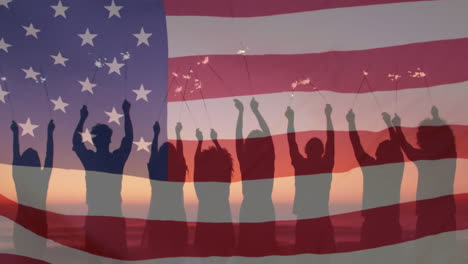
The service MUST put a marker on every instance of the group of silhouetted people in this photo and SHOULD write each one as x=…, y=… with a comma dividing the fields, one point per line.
x=167, y=229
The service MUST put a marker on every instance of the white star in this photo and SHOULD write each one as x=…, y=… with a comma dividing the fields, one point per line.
x=28, y=128
x=5, y=3
x=59, y=59
x=60, y=9
x=3, y=45
x=142, y=145
x=31, y=31
x=114, y=116
x=142, y=37
x=87, y=38
x=30, y=73
x=113, y=10
x=59, y=104
x=3, y=94
x=115, y=66
x=87, y=85
x=142, y=93
x=87, y=137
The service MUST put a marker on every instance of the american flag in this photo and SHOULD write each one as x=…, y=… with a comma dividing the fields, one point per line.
x=233, y=131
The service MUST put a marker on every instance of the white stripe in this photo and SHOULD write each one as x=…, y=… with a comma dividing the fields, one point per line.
x=442, y=248
x=66, y=194
x=355, y=28
x=413, y=106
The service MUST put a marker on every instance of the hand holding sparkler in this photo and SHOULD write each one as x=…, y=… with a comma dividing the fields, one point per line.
x=387, y=119
x=435, y=113
x=350, y=116
x=199, y=134
x=213, y=134
x=396, y=121
x=254, y=105
x=239, y=105
x=14, y=127
x=156, y=128
x=51, y=126
x=328, y=110
x=178, y=128
x=289, y=113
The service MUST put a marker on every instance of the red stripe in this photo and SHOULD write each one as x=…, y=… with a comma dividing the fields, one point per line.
x=442, y=61
x=246, y=8
x=344, y=154
x=10, y=258
x=344, y=235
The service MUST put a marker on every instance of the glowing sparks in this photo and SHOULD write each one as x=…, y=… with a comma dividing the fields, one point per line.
x=242, y=51
x=175, y=74
x=303, y=82
x=365, y=73
x=178, y=89
x=125, y=55
x=42, y=79
x=394, y=77
x=417, y=74
x=294, y=84
x=197, y=84
x=206, y=60
x=98, y=63
x=186, y=76
x=3, y=78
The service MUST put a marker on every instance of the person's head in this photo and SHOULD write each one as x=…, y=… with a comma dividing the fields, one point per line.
x=30, y=158
x=169, y=164
x=254, y=140
x=260, y=152
x=389, y=151
x=215, y=164
x=102, y=136
x=314, y=148
x=435, y=135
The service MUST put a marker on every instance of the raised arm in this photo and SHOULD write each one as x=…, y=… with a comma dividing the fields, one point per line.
x=293, y=148
x=260, y=119
x=361, y=156
x=391, y=130
x=16, y=147
x=214, y=138
x=127, y=140
x=411, y=152
x=78, y=145
x=199, y=136
x=154, y=144
x=239, y=128
x=49, y=159
x=330, y=145
x=180, y=146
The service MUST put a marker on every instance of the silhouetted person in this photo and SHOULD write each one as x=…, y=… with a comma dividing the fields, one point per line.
x=256, y=156
x=436, y=162
x=212, y=176
x=167, y=171
x=104, y=171
x=31, y=183
x=382, y=185
x=313, y=183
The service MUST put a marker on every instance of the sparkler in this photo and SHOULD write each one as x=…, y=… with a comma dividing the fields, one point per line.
x=420, y=73
x=198, y=86
x=365, y=73
x=243, y=52
x=43, y=80
x=395, y=77
x=187, y=78
x=4, y=80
